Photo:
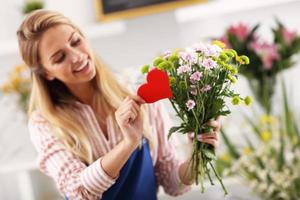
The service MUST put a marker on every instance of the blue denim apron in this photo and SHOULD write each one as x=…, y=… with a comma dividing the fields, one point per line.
x=137, y=178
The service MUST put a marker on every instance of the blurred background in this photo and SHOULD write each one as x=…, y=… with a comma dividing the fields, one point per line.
x=260, y=151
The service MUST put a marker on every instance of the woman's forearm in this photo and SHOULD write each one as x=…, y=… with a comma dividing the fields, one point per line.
x=114, y=160
x=185, y=173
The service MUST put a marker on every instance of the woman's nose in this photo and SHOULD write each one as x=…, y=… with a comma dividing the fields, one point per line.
x=75, y=56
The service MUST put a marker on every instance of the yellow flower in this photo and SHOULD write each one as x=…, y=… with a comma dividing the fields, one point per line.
x=233, y=70
x=228, y=67
x=225, y=157
x=18, y=83
x=234, y=52
x=173, y=58
x=238, y=59
x=247, y=151
x=231, y=78
x=235, y=100
x=244, y=60
x=6, y=88
x=145, y=69
x=182, y=85
x=20, y=68
x=224, y=57
x=157, y=61
x=248, y=100
x=15, y=81
x=221, y=63
x=165, y=65
x=172, y=81
x=266, y=136
x=294, y=140
x=222, y=45
x=267, y=119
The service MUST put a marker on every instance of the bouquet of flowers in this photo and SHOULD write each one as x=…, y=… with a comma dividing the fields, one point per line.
x=19, y=84
x=267, y=58
x=200, y=79
x=271, y=167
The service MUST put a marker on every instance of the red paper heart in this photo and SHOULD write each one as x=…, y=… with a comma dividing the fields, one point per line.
x=157, y=86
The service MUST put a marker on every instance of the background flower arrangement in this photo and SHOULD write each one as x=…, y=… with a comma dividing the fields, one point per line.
x=269, y=161
x=267, y=59
x=18, y=84
x=200, y=80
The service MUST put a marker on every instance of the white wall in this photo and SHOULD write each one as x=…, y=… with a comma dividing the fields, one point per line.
x=126, y=45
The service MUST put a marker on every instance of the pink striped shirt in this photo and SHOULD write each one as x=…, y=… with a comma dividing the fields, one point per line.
x=79, y=181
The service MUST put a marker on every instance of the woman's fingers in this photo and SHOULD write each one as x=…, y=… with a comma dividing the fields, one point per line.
x=212, y=141
x=215, y=124
x=190, y=136
x=214, y=134
x=210, y=138
x=127, y=117
x=129, y=110
x=128, y=104
x=134, y=103
x=137, y=99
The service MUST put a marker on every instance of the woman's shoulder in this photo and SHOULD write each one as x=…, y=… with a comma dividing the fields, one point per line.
x=39, y=129
x=37, y=117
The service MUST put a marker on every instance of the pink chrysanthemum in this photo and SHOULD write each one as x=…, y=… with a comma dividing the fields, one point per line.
x=183, y=69
x=189, y=56
x=206, y=88
x=207, y=49
x=167, y=54
x=196, y=76
x=209, y=63
x=190, y=104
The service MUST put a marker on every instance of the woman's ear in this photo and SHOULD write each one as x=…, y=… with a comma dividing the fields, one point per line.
x=48, y=76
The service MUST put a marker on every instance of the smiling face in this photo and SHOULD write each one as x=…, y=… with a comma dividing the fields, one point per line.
x=66, y=56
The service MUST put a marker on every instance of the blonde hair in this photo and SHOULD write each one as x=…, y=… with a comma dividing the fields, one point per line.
x=52, y=98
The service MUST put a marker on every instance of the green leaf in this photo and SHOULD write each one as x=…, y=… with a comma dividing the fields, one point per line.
x=250, y=145
x=210, y=154
x=218, y=104
x=290, y=125
x=281, y=159
x=231, y=147
x=254, y=126
x=173, y=130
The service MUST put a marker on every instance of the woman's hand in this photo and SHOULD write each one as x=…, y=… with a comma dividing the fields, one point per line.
x=129, y=119
x=186, y=175
x=210, y=138
x=213, y=137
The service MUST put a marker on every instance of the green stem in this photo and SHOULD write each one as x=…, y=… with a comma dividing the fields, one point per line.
x=209, y=177
x=219, y=178
x=178, y=113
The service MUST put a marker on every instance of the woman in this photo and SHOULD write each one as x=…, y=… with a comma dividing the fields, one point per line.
x=94, y=138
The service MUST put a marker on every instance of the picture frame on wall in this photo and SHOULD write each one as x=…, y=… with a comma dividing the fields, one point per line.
x=109, y=10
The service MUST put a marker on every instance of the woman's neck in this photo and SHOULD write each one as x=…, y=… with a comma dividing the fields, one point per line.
x=84, y=92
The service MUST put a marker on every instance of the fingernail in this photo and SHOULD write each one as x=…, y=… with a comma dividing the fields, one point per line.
x=191, y=135
x=200, y=137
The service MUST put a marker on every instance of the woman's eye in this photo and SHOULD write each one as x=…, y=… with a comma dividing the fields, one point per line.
x=76, y=42
x=60, y=59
